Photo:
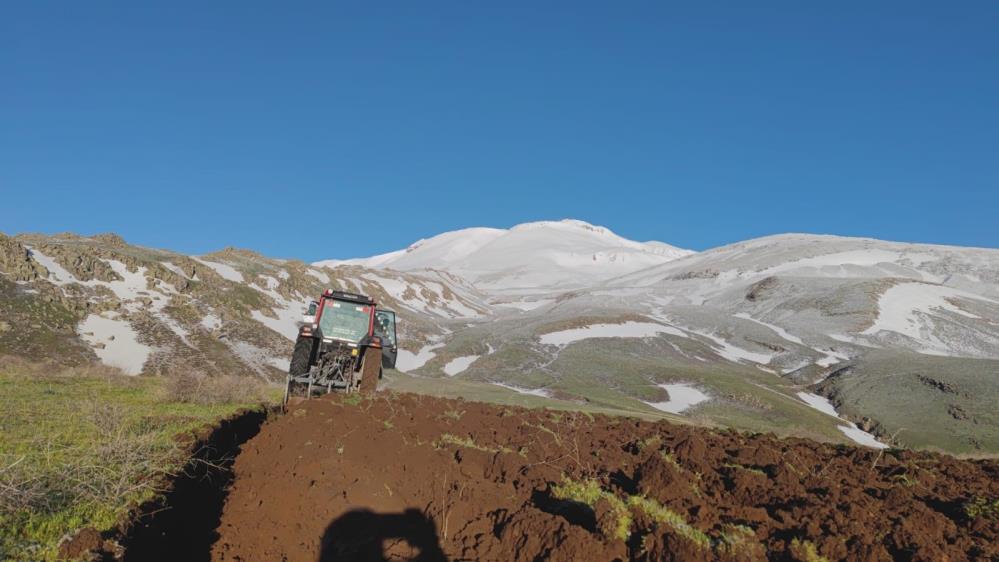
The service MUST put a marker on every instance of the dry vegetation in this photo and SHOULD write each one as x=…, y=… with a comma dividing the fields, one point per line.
x=79, y=445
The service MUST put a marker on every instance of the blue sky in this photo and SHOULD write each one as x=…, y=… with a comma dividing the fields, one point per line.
x=325, y=129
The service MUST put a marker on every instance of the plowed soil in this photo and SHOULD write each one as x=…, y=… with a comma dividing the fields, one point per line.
x=406, y=477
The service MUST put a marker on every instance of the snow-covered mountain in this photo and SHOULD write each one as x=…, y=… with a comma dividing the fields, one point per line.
x=531, y=257
x=895, y=337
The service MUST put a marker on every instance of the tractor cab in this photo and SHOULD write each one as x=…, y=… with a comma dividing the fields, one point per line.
x=344, y=317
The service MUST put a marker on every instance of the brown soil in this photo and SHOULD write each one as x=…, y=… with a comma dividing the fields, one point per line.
x=407, y=477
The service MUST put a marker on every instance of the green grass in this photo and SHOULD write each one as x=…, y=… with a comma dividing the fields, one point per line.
x=78, y=449
x=467, y=442
x=982, y=507
x=589, y=492
x=807, y=551
x=484, y=392
x=891, y=387
x=665, y=516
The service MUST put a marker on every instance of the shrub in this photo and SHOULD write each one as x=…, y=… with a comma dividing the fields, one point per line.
x=191, y=388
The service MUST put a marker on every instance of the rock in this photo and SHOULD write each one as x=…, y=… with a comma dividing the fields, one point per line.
x=16, y=261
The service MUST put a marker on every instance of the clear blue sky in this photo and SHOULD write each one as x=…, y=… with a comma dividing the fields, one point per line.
x=335, y=129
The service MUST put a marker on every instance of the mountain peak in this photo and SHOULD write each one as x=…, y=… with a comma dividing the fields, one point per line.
x=536, y=255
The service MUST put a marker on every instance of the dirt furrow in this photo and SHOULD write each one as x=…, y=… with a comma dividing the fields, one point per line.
x=406, y=477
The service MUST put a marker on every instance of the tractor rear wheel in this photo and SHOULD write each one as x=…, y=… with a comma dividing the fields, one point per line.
x=301, y=357
x=371, y=365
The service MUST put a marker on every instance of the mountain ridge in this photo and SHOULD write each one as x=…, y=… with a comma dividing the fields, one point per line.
x=748, y=335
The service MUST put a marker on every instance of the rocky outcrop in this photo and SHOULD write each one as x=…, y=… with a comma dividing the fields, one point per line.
x=16, y=262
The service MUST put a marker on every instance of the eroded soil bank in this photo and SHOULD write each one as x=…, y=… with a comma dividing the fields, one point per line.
x=406, y=477
x=183, y=524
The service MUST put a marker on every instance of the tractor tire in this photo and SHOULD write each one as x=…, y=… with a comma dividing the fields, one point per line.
x=371, y=365
x=301, y=358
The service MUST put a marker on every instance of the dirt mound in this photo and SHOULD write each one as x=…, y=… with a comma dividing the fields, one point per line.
x=406, y=477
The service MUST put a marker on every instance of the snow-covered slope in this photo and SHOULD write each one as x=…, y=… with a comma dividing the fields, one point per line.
x=548, y=255
x=438, y=252
x=564, y=310
x=936, y=300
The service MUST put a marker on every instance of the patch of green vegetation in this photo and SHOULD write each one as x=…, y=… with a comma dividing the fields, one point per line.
x=651, y=442
x=904, y=479
x=352, y=399
x=670, y=458
x=78, y=448
x=467, y=442
x=736, y=535
x=663, y=515
x=806, y=551
x=454, y=414
x=942, y=403
x=589, y=492
x=750, y=469
x=982, y=507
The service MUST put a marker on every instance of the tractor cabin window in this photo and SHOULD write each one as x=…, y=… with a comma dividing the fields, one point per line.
x=385, y=326
x=345, y=321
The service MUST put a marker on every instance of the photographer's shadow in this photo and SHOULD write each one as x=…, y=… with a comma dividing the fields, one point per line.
x=362, y=535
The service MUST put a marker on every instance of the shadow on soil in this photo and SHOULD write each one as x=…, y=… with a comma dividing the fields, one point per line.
x=362, y=535
x=182, y=525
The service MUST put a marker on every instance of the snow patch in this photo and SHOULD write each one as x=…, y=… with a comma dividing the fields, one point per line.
x=844, y=264
x=681, y=397
x=543, y=393
x=626, y=330
x=459, y=364
x=408, y=361
x=777, y=329
x=288, y=312
x=909, y=308
x=174, y=268
x=734, y=353
x=210, y=322
x=254, y=357
x=121, y=344
x=58, y=274
x=861, y=437
x=225, y=270
x=857, y=435
x=177, y=329
x=322, y=277
x=831, y=357
x=525, y=305
x=286, y=322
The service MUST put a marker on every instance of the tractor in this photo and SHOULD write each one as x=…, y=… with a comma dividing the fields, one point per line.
x=343, y=342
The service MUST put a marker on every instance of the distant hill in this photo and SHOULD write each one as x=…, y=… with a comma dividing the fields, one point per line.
x=821, y=336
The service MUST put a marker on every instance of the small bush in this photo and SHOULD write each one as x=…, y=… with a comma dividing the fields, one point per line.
x=190, y=388
x=982, y=507
x=806, y=551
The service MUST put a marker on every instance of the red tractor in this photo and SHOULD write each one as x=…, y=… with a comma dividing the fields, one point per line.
x=342, y=345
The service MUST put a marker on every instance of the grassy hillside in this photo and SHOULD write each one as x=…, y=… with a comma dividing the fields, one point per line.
x=79, y=446
x=937, y=403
